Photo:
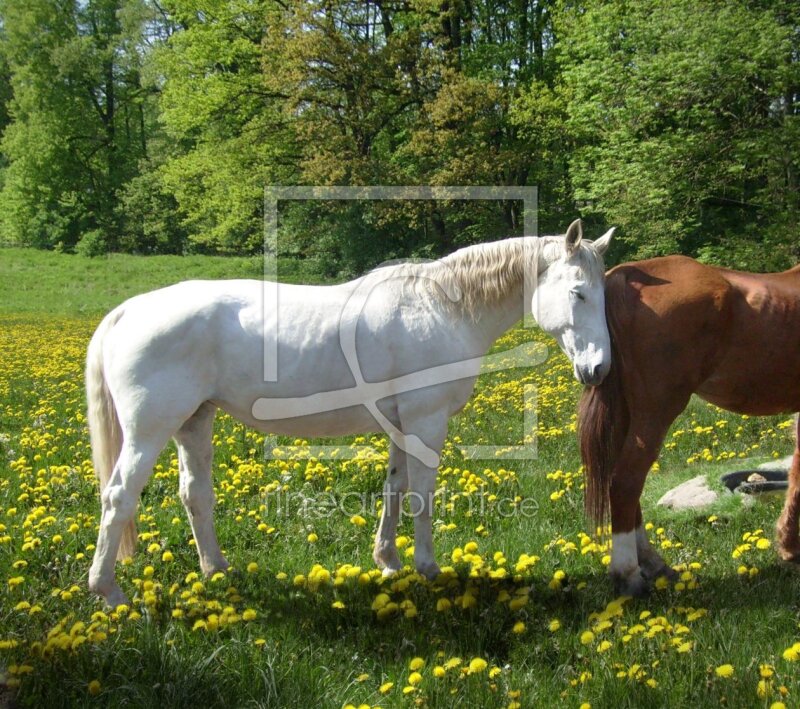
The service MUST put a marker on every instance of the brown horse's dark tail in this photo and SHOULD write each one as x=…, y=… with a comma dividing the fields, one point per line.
x=603, y=417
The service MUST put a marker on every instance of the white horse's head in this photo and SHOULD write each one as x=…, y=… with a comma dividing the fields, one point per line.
x=569, y=302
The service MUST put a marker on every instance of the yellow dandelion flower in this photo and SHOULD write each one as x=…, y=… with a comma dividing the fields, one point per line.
x=764, y=688
x=94, y=687
x=791, y=654
x=414, y=679
x=416, y=664
x=725, y=671
x=477, y=664
x=519, y=627
x=386, y=687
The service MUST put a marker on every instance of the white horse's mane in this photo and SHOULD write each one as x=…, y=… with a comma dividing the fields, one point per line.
x=484, y=274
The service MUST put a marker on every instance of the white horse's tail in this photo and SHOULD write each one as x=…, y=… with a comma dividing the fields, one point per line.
x=104, y=429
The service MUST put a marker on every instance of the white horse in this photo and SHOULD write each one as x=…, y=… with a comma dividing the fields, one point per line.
x=162, y=363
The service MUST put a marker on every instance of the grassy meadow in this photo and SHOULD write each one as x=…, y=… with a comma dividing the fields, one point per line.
x=523, y=615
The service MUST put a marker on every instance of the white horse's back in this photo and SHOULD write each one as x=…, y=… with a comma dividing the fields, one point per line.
x=203, y=341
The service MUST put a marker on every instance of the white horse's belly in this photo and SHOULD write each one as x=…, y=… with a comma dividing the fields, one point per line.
x=348, y=421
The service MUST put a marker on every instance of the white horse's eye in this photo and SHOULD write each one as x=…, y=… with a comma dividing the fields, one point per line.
x=579, y=295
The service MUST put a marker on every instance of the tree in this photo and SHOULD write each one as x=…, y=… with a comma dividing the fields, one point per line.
x=412, y=93
x=226, y=121
x=687, y=127
x=80, y=120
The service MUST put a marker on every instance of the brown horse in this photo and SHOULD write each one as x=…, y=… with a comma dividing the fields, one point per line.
x=679, y=327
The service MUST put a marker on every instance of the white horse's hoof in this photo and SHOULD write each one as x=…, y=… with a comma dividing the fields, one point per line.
x=220, y=564
x=116, y=598
x=430, y=570
x=389, y=571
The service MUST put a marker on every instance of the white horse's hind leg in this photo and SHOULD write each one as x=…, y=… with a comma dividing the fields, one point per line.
x=196, y=490
x=119, y=501
x=385, y=551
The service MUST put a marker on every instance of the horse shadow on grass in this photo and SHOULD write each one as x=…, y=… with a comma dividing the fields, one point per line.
x=434, y=616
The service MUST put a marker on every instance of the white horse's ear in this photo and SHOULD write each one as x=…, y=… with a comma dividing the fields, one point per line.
x=574, y=236
x=601, y=245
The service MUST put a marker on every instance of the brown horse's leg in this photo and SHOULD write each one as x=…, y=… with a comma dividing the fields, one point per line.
x=630, y=572
x=787, y=527
x=650, y=561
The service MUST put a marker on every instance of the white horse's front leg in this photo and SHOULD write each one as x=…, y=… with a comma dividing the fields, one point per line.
x=422, y=485
x=385, y=551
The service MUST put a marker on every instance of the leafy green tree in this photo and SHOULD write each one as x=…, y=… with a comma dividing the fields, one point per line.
x=686, y=124
x=225, y=119
x=418, y=93
x=80, y=120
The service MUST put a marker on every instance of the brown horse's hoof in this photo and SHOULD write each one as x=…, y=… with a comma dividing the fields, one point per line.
x=787, y=545
x=667, y=572
x=634, y=584
x=790, y=556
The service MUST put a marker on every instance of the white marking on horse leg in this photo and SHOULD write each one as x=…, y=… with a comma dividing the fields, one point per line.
x=119, y=501
x=195, y=454
x=624, y=568
x=385, y=550
x=624, y=557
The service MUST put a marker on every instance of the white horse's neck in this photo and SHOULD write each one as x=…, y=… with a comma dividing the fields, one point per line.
x=491, y=279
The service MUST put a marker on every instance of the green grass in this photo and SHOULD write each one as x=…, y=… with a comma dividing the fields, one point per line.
x=34, y=281
x=300, y=650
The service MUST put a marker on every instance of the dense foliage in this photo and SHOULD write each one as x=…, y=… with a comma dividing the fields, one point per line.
x=154, y=125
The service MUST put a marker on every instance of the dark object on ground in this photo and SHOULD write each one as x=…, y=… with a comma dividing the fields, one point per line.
x=772, y=480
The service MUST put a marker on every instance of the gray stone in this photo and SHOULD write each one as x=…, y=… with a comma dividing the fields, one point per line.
x=777, y=464
x=690, y=494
